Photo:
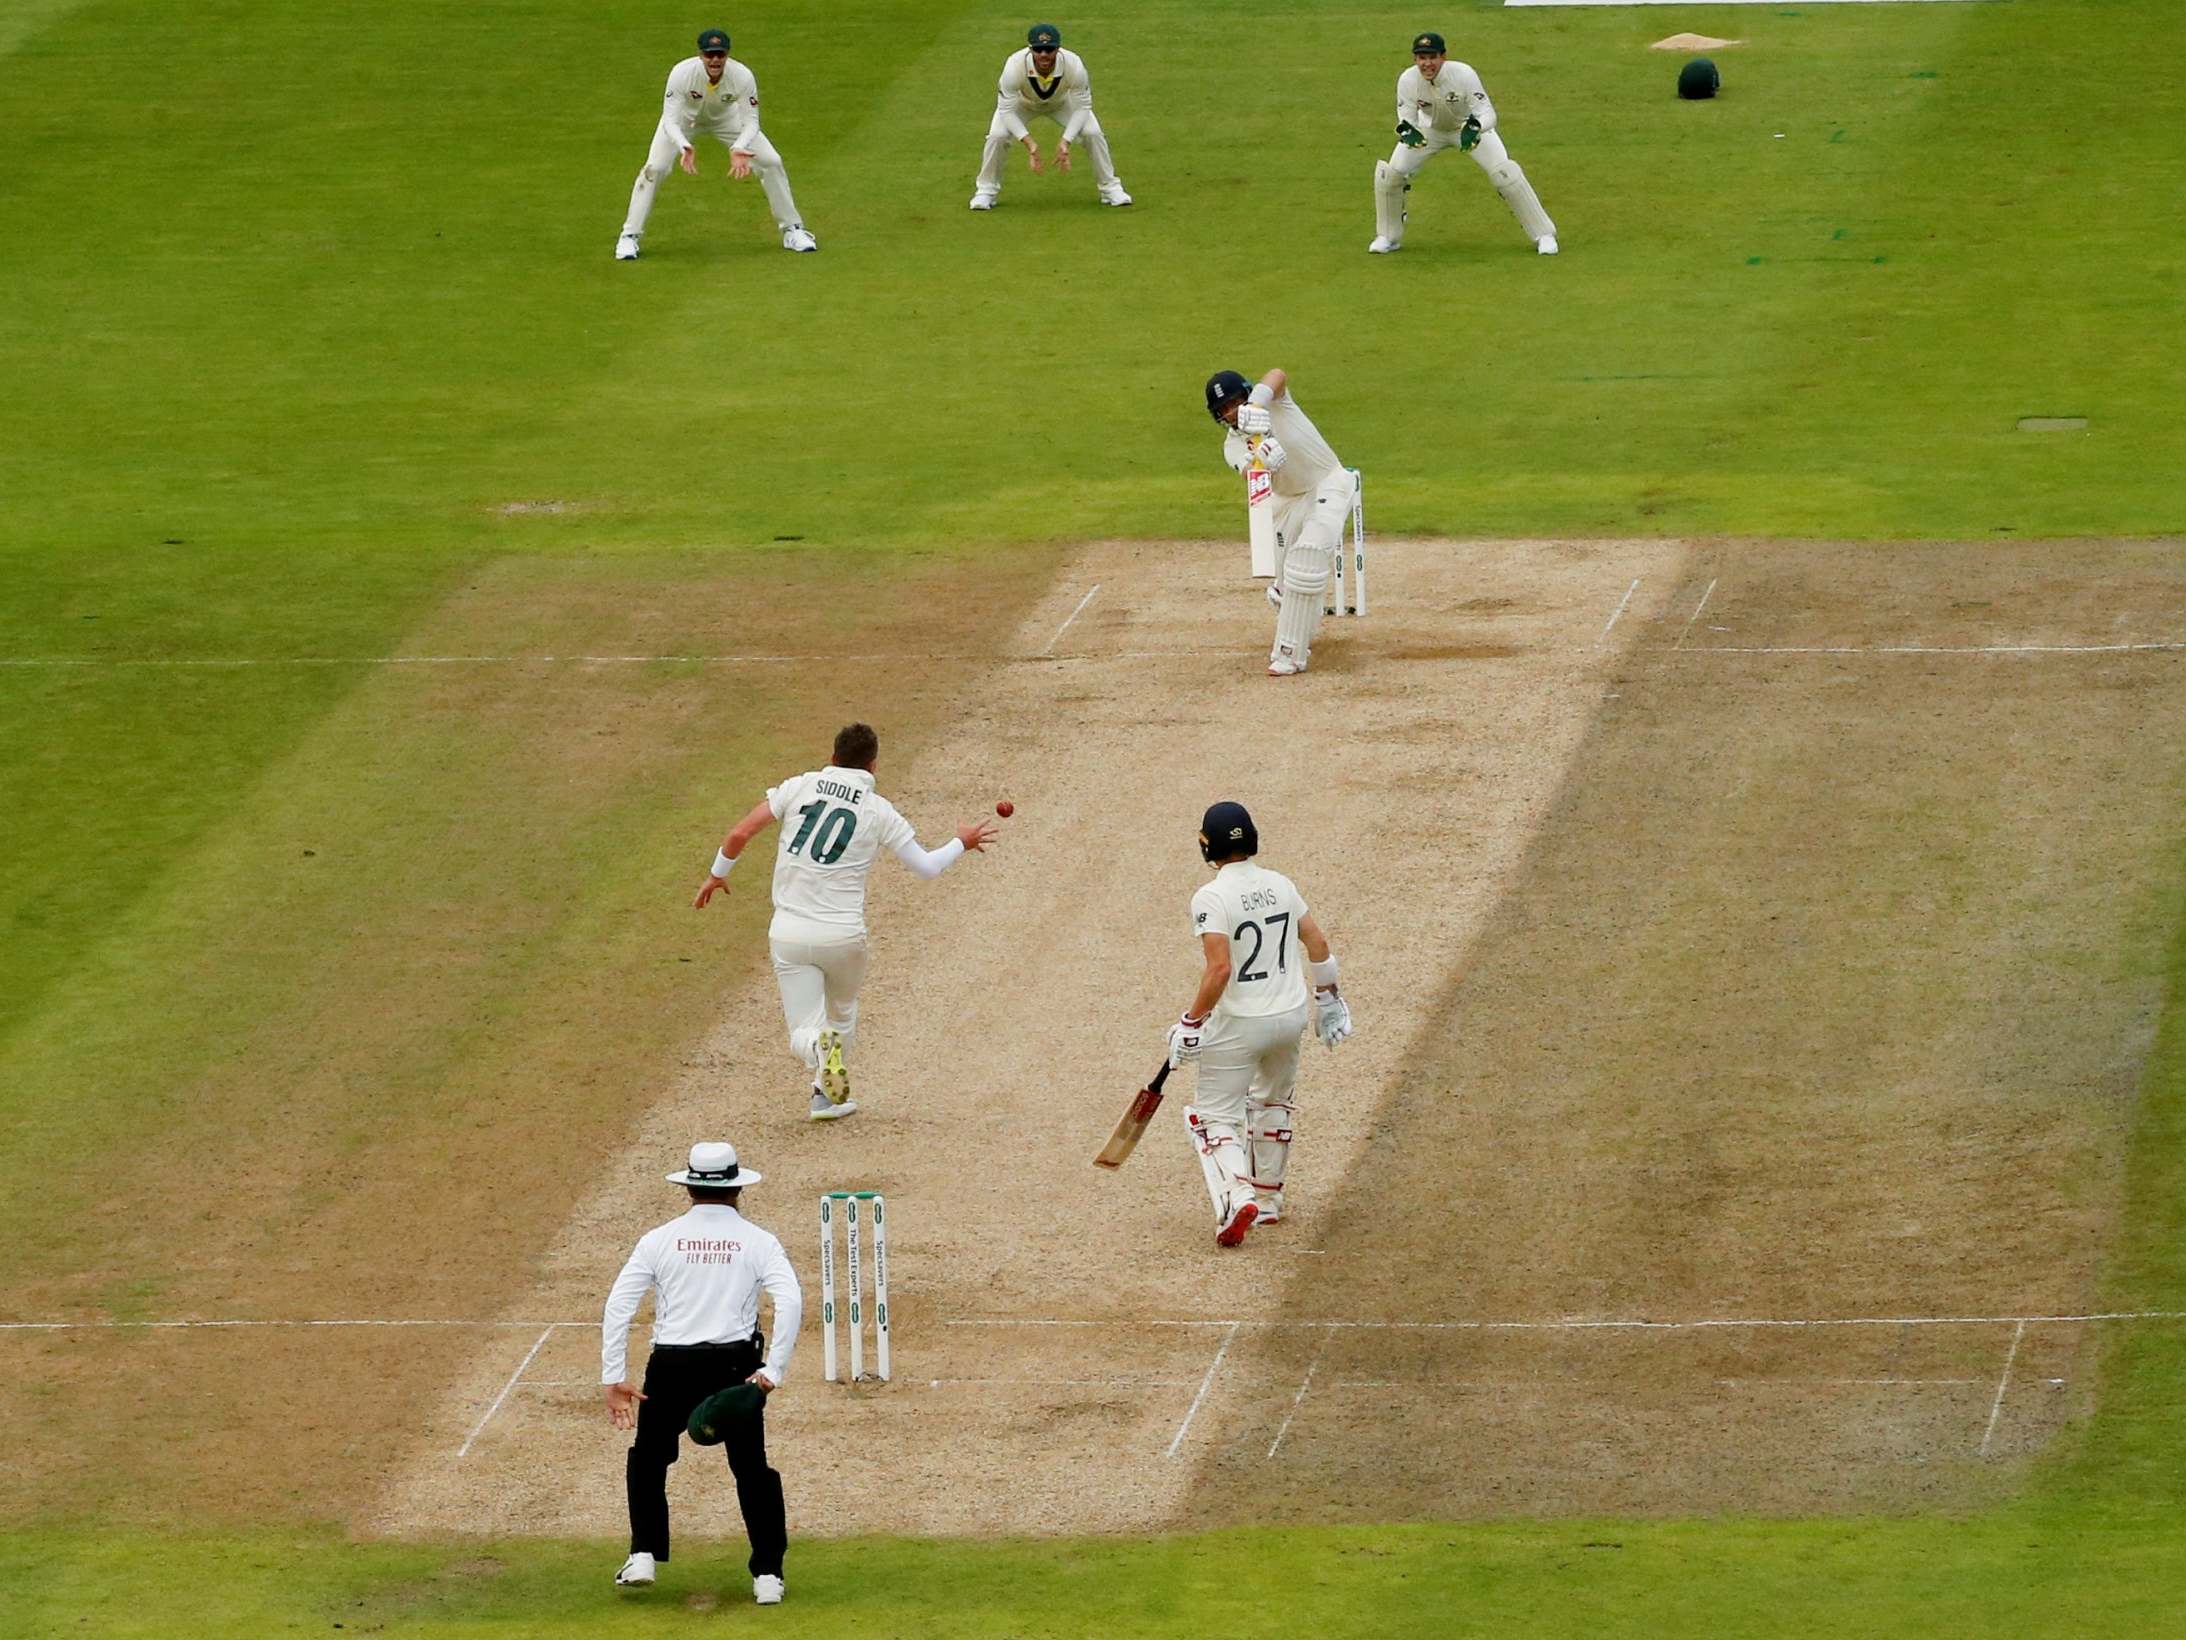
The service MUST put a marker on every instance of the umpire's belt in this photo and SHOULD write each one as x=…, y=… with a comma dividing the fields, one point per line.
x=757, y=1341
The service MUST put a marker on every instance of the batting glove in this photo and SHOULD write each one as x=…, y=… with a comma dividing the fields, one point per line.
x=1184, y=1039
x=1269, y=452
x=1333, y=1019
x=1254, y=421
x=1409, y=135
x=1469, y=138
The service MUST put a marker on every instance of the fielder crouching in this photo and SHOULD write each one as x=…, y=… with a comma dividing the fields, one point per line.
x=1312, y=491
x=1260, y=947
x=1442, y=104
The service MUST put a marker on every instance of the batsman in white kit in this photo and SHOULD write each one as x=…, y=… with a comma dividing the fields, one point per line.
x=1044, y=81
x=712, y=95
x=834, y=825
x=1441, y=104
x=1262, y=951
x=1312, y=491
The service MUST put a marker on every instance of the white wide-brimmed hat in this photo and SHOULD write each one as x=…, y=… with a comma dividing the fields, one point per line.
x=714, y=1164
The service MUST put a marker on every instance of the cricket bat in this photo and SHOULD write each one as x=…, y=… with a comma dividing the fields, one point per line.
x=1135, y=1118
x=1260, y=514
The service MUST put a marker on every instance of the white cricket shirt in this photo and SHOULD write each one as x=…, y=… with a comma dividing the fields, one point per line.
x=1259, y=910
x=1443, y=102
x=704, y=1271
x=1066, y=96
x=692, y=102
x=833, y=827
x=1309, y=463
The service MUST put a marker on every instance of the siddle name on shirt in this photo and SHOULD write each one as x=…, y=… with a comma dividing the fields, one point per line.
x=835, y=788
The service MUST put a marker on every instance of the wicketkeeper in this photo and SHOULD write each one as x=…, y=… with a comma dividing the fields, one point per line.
x=1044, y=81
x=712, y=95
x=1441, y=104
x=1312, y=492
x=1261, y=947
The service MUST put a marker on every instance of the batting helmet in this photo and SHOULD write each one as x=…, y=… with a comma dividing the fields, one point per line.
x=1222, y=387
x=1697, y=80
x=1226, y=831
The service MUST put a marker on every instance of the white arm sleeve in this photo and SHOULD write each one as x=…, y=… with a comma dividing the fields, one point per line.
x=1080, y=98
x=622, y=1308
x=1476, y=95
x=744, y=117
x=1401, y=114
x=930, y=865
x=780, y=1281
x=1005, y=101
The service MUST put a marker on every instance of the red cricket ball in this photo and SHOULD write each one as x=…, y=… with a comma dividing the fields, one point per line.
x=1005, y=808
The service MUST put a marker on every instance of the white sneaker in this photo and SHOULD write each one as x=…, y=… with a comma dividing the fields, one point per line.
x=1119, y=197
x=637, y=1572
x=825, y=1109
x=1546, y=244
x=1381, y=246
x=766, y=1590
x=796, y=239
x=1232, y=1233
x=1282, y=664
x=982, y=202
x=626, y=248
x=1270, y=1213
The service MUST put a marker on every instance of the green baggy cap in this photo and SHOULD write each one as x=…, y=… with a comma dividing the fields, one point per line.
x=711, y=1418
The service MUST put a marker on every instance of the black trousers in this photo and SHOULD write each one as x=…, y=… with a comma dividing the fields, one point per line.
x=677, y=1378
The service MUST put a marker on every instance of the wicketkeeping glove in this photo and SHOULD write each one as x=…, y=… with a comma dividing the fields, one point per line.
x=1409, y=134
x=1184, y=1039
x=1469, y=138
x=1332, y=1022
x=1253, y=420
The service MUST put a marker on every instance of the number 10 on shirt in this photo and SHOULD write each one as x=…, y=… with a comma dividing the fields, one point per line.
x=851, y=1206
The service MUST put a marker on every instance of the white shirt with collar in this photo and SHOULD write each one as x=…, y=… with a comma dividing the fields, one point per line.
x=693, y=102
x=1442, y=103
x=1065, y=97
x=833, y=827
x=705, y=1271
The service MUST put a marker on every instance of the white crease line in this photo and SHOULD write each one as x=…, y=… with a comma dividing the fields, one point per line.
x=538, y=1344
x=1304, y=1384
x=73, y=1326
x=1937, y=649
x=1694, y=616
x=1065, y=1383
x=1205, y=1384
x=1598, y=1326
x=1614, y=618
x=2002, y=1383
x=1067, y=619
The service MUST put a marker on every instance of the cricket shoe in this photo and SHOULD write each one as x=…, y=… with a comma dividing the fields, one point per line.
x=1115, y=197
x=766, y=1589
x=1269, y=1214
x=1232, y=1233
x=796, y=239
x=825, y=1109
x=834, y=1075
x=1281, y=665
x=626, y=248
x=636, y=1573
x=1546, y=244
x=1381, y=246
x=982, y=202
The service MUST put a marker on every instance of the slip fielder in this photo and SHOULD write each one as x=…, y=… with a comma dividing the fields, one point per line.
x=1044, y=81
x=834, y=825
x=1260, y=947
x=1441, y=104
x=1312, y=492
x=712, y=95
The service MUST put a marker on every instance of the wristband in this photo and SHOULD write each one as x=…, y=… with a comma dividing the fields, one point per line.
x=722, y=864
x=1324, y=973
x=1262, y=394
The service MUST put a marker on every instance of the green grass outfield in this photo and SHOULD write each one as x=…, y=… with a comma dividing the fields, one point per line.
x=297, y=299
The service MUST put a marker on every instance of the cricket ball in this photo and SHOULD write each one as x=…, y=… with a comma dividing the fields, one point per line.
x=1005, y=808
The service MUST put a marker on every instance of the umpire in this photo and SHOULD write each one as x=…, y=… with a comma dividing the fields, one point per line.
x=704, y=1270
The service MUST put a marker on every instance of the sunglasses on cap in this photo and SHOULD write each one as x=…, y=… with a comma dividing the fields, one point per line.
x=713, y=54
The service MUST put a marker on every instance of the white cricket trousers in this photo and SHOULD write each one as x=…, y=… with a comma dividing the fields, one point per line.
x=1492, y=157
x=819, y=981
x=1309, y=534
x=999, y=143
x=1240, y=1114
x=766, y=165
